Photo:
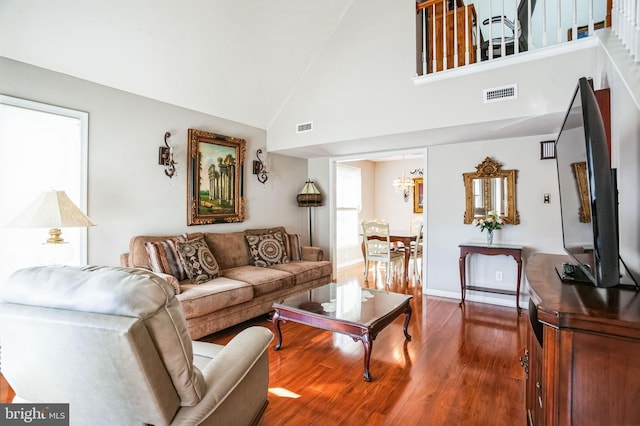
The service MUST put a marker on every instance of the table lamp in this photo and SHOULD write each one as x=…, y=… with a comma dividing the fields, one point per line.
x=54, y=210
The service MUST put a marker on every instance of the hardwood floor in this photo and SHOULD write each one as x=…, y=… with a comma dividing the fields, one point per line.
x=461, y=367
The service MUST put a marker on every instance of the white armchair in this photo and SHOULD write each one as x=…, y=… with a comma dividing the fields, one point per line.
x=114, y=344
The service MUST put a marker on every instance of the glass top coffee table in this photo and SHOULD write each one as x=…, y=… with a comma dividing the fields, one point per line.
x=347, y=309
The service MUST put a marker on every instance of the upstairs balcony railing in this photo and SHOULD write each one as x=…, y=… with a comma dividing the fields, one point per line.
x=456, y=33
x=626, y=24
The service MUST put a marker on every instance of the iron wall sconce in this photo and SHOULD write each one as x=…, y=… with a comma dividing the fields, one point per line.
x=165, y=157
x=259, y=169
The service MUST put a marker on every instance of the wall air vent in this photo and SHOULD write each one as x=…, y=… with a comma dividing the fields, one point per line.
x=304, y=127
x=502, y=93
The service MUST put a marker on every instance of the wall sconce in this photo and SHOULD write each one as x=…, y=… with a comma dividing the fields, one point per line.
x=165, y=157
x=259, y=168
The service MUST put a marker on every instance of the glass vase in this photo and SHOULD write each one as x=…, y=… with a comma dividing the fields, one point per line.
x=489, y=237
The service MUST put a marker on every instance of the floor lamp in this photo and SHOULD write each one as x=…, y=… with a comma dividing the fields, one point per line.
x=309, y=196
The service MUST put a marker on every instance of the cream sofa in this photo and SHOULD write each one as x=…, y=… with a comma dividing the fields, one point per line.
x=113, y=344
x=242, y=291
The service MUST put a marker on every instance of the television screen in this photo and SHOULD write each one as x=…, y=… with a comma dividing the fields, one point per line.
x=587, y=194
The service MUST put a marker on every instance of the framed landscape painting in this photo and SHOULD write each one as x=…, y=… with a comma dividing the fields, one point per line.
x=215, y=171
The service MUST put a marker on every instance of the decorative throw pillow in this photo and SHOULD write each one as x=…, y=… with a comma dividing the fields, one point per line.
x=267, y=249
x=163, y=258
x=197, y=260
x=296, y=247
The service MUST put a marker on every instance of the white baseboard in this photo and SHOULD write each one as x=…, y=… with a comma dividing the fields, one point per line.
x=475, y=296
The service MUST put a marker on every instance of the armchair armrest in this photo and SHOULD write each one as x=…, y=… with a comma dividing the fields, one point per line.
x=313, y=254
x=124, y=260
x=234, y=367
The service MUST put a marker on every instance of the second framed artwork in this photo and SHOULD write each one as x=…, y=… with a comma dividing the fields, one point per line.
x=215, y=171
x=418, y=195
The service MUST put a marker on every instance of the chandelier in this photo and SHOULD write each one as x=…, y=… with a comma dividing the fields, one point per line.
x=403, y=185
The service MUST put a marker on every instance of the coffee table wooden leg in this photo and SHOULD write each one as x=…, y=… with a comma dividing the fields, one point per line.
x=276, y=324
x=368, y=344
x=407, y=317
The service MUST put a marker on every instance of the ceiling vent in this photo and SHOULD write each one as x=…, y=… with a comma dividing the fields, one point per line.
x=502, y=93
x=304, y=127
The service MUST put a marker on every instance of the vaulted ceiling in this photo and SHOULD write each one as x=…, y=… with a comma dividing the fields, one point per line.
x=238, y=60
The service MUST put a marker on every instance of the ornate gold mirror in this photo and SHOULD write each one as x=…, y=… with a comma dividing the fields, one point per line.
x=490, y=188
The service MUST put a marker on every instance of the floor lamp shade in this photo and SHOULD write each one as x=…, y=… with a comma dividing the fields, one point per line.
x=54, y=210
x=309, y=196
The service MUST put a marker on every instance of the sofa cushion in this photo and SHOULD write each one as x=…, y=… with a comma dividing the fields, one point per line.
x=197, y=260
x=304, y=271
x=211, y=296
x=164, y=258
x=267, y=249
x=229, y=248
x=263, y=280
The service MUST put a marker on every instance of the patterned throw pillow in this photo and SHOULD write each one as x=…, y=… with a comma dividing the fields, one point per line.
x=267, y=249
x=296, y=247
x=163, y=258
x=197, y=260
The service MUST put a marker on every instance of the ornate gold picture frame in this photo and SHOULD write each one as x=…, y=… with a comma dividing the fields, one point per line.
x=580, y=171
x=418, y=195
x=215, y=178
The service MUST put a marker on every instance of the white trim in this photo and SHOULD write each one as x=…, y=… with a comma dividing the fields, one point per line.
x=472, y=296
x=522, y=57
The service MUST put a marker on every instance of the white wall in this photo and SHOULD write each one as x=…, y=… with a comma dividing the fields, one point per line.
x=539, y=229
x=389, y=204
x=128, y=191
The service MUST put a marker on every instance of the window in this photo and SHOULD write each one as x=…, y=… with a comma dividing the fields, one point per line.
x=43, y=147
x=348, y=204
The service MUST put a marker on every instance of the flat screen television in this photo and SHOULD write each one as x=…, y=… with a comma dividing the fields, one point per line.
x=588, y=194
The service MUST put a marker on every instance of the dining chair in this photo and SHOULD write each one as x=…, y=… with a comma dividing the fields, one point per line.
x=519, y=35
x=377, y=248
x=416, y=252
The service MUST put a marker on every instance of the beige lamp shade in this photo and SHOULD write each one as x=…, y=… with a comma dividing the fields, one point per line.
x=52, y=209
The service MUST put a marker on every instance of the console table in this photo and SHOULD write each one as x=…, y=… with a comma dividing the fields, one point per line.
x=514, y=251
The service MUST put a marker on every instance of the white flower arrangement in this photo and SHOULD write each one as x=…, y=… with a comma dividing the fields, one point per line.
x=490, y=222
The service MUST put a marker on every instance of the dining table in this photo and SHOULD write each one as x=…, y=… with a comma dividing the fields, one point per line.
x=404, y=237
